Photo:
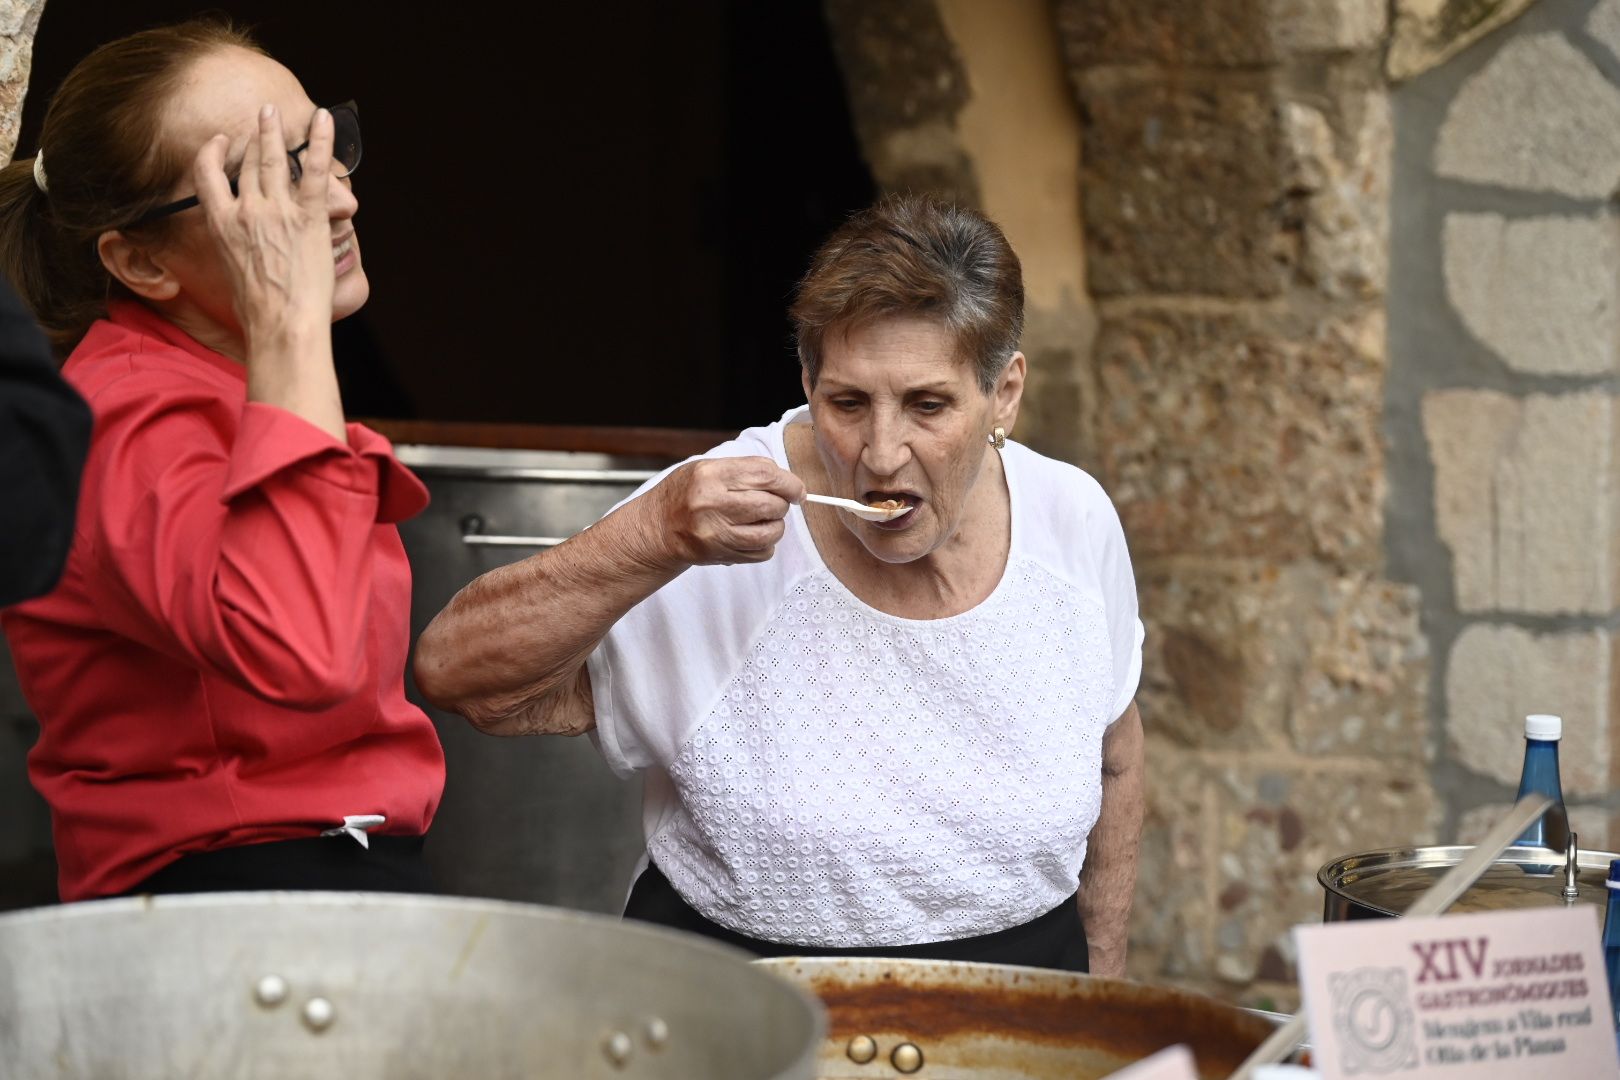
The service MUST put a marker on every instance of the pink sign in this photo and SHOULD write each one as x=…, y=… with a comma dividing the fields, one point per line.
x=1171, y=1063
x=1491, y=996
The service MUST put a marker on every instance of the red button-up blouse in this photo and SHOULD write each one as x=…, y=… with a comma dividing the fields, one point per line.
x=223, y=661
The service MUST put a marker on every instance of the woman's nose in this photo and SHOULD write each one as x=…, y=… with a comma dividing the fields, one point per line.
x=341, y=201
x=886, y=451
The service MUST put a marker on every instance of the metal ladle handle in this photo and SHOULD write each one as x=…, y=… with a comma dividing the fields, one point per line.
x=1439, y=896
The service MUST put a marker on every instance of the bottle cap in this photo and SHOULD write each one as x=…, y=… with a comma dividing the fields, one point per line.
x=1542, y=726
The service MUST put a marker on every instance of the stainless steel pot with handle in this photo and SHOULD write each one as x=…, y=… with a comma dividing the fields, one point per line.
x=952, y=1021
x=361, y=986
x=1382, y=884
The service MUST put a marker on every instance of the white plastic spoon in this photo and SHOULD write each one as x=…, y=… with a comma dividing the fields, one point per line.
x=860, y=510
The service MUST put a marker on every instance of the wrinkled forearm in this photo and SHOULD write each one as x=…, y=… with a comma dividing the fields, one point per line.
x=508, y=651
x=292, y=369
x=1108, y=879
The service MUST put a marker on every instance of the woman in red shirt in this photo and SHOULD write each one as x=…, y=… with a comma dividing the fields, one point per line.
x=219, y=677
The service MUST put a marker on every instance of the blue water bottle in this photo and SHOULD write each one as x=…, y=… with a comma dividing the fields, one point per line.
x=1611, y=941
x=1540, y=777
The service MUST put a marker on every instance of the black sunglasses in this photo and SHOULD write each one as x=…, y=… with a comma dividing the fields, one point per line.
x=345, y=159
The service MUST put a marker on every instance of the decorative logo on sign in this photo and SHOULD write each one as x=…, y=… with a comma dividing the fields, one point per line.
x=1374, y=1020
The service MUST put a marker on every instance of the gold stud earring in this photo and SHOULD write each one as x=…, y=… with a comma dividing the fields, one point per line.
x=997, y=438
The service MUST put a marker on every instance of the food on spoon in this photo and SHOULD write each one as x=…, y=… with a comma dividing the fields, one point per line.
x=887, y=504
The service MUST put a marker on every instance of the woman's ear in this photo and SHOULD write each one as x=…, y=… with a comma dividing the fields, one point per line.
x=136, y=267
x=1010, y=391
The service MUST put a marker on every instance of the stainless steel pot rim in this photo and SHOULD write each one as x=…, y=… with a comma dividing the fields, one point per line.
x=1336, y=874
x=354, y=954
x=361, y=901
x=962, y=982
x=954, y=974
x=958, y=972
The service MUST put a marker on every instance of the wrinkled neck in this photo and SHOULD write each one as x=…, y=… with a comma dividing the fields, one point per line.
x=227, y=341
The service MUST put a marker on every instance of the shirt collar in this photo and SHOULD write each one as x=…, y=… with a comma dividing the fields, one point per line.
x=136, y=316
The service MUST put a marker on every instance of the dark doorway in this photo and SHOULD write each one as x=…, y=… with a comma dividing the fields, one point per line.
x=571, y=214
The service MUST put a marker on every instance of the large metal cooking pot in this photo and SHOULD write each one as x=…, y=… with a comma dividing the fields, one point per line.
x=953, y=1021
x=1381, y=884
x=360, y=986
x=570, y=831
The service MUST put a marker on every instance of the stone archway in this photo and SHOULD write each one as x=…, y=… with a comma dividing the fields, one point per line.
x=970, y=100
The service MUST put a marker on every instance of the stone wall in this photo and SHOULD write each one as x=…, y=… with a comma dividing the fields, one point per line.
x=1370, y=485
x=1233, y=227
x=1236, y=192
x=1505, y=340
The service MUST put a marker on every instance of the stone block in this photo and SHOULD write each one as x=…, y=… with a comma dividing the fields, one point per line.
x=1185, y=184
x=1343, y=186
x=1244, y=655
x=1219, y=33
x=19, y=20
x=1604, y=25
x=1538, y=117
x=1055, y=417
x=1269, y=188
x=1363, y=690
x=1543, y=293
x=928, y=157
x=1231, y=846
x=1326, y=26
x=1220, y=659
x=1169, y=32
x=1525, y=496
x=1497, y=674
x=1426, y=33
x=906, y=84
x=1173, y=913
x=898, y=60
x=15, y=16
x=1226, y=433
x=1279, y=823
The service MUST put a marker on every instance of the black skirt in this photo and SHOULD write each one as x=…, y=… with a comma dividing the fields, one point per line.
x=1053, y=940
x=390, y=864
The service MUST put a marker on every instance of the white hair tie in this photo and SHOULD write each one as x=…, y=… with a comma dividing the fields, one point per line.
x=39, y=171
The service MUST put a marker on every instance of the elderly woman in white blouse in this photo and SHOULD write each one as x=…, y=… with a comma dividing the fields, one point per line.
x=913, y=737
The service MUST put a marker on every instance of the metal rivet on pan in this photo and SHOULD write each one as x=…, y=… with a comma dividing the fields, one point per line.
x=618, y=1048
x=270, y=991
x=861, y=1049
x=906, y=1057
x=657, y=1033
x=318, y=1014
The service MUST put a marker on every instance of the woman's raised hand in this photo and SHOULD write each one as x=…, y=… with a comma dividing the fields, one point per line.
x=724, y=510
x=275, y=234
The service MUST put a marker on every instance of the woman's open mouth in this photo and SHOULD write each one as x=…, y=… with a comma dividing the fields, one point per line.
x=893, y=500
x=343, y=255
